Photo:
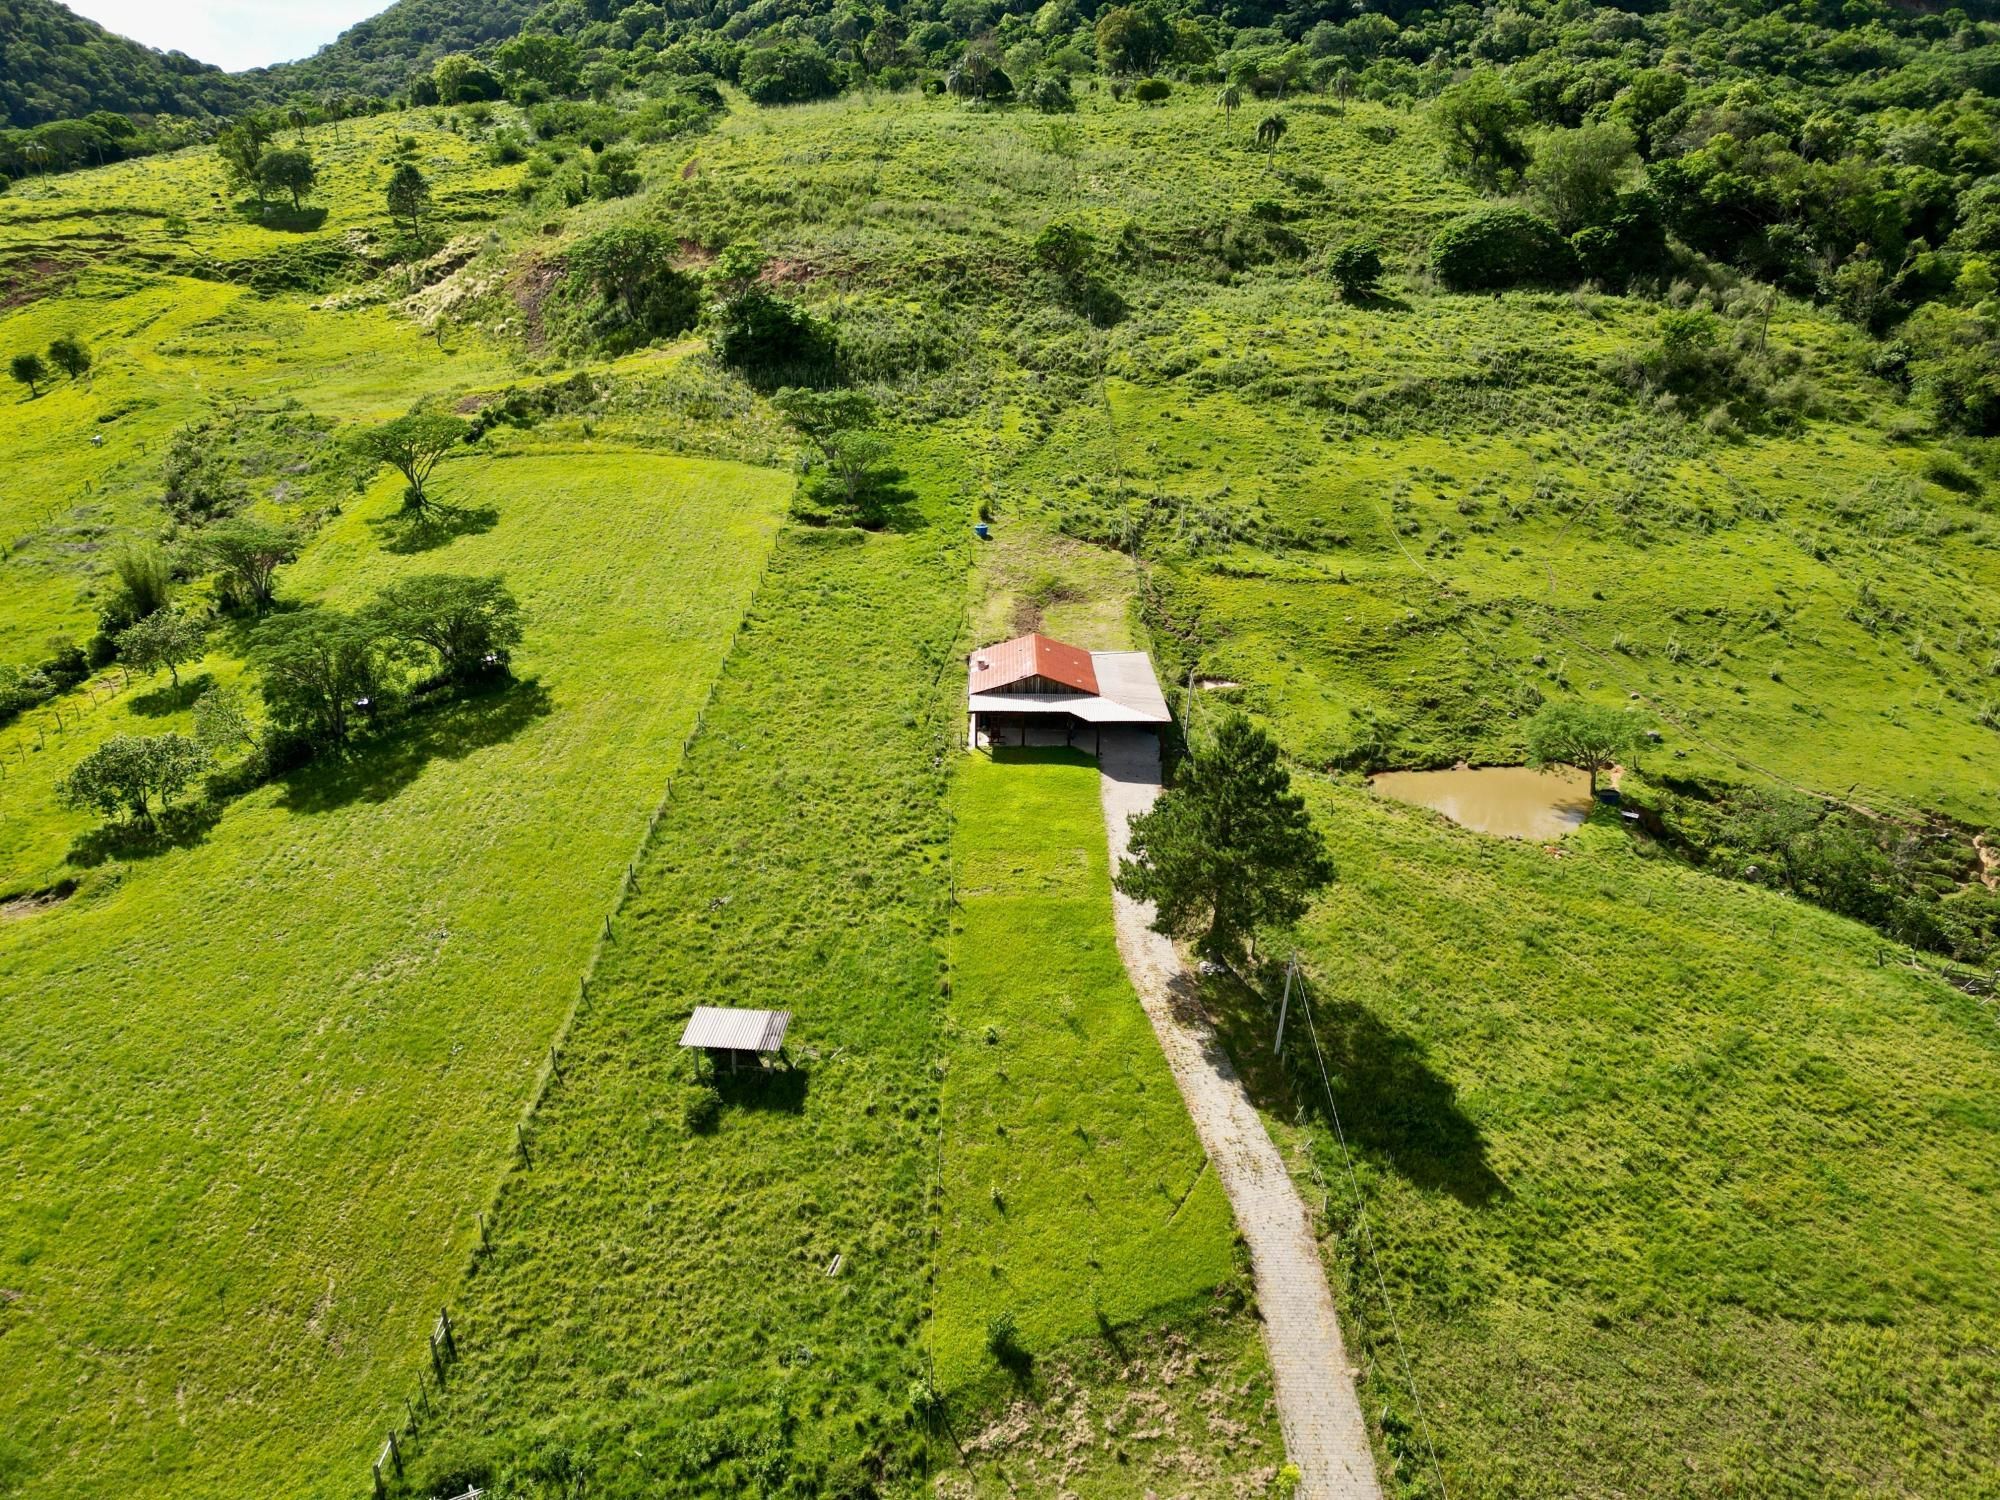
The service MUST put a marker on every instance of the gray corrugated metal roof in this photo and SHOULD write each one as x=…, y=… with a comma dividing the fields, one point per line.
x=1127, y=677
x=744, y=1030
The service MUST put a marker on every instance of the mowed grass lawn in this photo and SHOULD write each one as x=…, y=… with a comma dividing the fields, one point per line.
x=1077, y=1198
x=1679, y=1189
x=252, y=1090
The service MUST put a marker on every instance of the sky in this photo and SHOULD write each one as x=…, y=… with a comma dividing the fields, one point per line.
x=231, y=33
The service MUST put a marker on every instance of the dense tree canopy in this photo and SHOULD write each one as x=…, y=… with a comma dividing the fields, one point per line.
x=1229, y=849
x=56, y=65
x=129, y=771
x=1588, y=736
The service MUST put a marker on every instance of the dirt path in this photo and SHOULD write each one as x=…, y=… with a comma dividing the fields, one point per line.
x=1317, y=1405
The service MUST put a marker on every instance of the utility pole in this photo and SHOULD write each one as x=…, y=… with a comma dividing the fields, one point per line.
x=1284, y=1005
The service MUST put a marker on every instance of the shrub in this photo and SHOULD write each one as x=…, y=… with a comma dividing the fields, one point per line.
x=1501, y=247
x=201, y=478
x=1630, y=246
x=701, y=1110
x=789, y=73
x=772, y=340
x=1003, y=1337
x=1946, y=469
x=1050, y=94
x=621, y=290
x=1152, y=90
x=1356, y=269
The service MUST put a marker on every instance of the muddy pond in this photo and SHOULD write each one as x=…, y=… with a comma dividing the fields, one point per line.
x=1514, y=801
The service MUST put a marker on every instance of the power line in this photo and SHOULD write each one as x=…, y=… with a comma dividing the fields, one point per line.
x=1361, y=1215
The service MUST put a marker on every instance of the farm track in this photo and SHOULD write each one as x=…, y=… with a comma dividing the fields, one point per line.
x=1318, y=1407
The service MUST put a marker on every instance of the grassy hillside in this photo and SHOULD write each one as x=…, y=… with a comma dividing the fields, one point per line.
x=1653, y=1161
x=1676, y=1189
x=259, y=1084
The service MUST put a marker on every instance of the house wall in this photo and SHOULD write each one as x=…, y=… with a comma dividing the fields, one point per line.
x=1036, y=684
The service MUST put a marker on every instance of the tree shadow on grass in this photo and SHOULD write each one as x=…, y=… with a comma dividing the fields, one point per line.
x=1386, y=302
x=377, y=769
x=1394, y=1106
x=168, y=699
x=405, y=534
x=1392, y=1103
x=779, y=1090
x=281, y=216
x=172, y=828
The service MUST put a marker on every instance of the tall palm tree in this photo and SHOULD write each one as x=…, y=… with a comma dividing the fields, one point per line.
x=1229, y=98
x=1270, y=130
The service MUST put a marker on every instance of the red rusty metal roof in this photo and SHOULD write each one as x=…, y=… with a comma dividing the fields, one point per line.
x=993, y=667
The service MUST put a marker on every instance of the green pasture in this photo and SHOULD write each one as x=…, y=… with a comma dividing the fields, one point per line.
x=175, y=211
x=661, y=1304
x=259, y=1084
x=171, y=350
x=1077, y=1200
x=1653, y=1165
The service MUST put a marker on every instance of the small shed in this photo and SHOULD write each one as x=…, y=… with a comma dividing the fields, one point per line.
x=736, y=1036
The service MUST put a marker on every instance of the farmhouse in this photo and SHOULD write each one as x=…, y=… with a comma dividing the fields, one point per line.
x=1032, y=689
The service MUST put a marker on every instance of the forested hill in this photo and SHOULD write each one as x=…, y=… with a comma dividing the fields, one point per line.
x=55, y=65
x=378, y=55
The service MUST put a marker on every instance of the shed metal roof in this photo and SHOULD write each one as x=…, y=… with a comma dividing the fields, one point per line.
x=742, y=1030
x=993, y=667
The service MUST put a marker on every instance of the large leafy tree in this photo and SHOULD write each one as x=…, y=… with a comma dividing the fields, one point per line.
x=241, y=147
x=840, y=427
x=790, y=72
x=290, y=171
x=164, y=638
x=128, y=771
x=30, y=371
x=413, y=445
x=457, y=619
x=318, y=670
x=1576, y=174
x=622, y=290
x=67, y=353
x=548, y=59
x=1134, y=38
x=1229, y=849
x=409, y=196
x=1480, y=121
x=1589, y=736
x=247, y=552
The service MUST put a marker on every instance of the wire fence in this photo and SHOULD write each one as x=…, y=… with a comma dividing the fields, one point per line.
x=549, y=1074
x=1300, y=986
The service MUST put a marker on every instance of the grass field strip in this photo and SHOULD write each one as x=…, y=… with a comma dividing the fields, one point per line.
x=411, y=1430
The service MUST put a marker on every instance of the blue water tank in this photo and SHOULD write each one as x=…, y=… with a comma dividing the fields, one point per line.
x=985, y=532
